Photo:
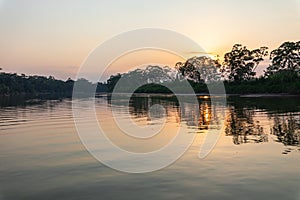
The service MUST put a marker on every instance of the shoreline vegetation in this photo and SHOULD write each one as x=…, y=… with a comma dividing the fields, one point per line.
x=236, y=72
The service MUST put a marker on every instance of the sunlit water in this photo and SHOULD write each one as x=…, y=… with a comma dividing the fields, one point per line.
x=257, y=156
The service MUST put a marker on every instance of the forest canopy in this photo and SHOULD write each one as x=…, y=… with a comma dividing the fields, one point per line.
x=237, y=71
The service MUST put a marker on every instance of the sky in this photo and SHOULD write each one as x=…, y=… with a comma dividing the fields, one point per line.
x=54, y=37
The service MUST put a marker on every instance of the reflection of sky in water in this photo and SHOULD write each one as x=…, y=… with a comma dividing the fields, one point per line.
x=42, y=158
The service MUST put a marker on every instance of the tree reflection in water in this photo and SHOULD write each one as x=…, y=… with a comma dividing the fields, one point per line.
x=242, y=123
x=241, y=126
x=287, y=130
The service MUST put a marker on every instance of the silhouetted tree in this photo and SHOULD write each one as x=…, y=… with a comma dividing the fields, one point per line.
x=199, y=69
x=240, y=62
x=101, y=87
x=12, y=83
x=285, y=58
x=112, y=81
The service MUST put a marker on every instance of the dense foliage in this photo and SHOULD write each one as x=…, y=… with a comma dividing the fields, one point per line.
x=236, y=71
x=285, y=82
x=239, y=63
x=21, y=84
x=13, y=84
x=285, y=58
x=199, y=69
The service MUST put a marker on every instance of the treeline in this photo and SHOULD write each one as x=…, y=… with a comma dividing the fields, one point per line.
x=14, y=84
x=285, y=82
x=236, y=71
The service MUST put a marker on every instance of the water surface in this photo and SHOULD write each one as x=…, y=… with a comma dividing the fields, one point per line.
x=257, y=156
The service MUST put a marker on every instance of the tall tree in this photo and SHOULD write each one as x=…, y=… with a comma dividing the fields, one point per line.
x=285, y=58
x=240, y=62
x=199, y=69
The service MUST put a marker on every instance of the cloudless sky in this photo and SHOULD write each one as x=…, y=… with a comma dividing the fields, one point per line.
x=53, y=37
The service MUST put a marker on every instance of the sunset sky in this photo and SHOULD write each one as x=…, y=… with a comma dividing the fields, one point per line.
x=53, y=37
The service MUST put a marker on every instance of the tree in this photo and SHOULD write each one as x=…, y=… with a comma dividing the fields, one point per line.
x=240, y=62
x=285, y=58
x=112, y=81
x=199, y=69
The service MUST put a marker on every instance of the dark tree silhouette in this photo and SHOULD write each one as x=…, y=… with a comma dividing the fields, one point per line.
x=240, y=62
x=112, y=81
x=287, y=130
x=199, y=69
x=282, y=76
x=14, y=84
x=243, y=129
x=285, y=58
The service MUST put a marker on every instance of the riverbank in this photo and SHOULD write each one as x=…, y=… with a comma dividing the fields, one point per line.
x=281, y=84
